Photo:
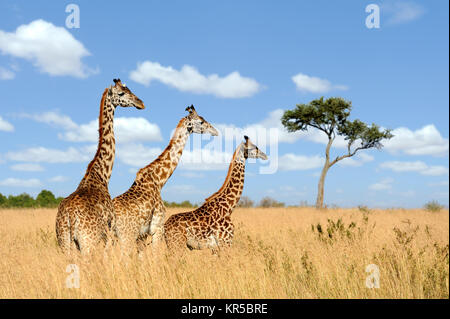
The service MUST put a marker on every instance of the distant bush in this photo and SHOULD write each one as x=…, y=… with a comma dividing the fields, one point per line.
x=45, y=199
x=303, y=203
x=267, y=202
x=185, y=203
x=3, y=200
x=245, y=202
x=22, y=200
x=433, y=206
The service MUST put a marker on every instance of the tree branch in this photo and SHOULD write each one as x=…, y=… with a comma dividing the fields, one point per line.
x=350, y=154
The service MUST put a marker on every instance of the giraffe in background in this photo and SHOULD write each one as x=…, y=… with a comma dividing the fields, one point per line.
x=84, y=217
x=140, y=211
x=210, y=226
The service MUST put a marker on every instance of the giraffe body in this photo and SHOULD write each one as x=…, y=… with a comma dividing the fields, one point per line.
x=140, y=211
x=85, y=217
x=210, y=225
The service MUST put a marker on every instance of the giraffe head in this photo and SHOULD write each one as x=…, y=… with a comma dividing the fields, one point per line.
x=197, y=124
x=121, y=95
x=252, y=151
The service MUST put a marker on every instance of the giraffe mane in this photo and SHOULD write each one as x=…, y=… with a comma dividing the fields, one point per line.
x=227, y=179
x=100, y=131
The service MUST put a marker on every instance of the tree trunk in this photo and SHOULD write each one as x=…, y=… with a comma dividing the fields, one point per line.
x=320, y=190
x=326, y=166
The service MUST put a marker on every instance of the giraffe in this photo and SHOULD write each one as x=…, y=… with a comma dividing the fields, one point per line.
x=210, y=226
x=140, y=211
x=84, y=217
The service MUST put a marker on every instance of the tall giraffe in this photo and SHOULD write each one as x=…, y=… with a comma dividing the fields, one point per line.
x=210, y=226
x=140, y=211
x=85, y=216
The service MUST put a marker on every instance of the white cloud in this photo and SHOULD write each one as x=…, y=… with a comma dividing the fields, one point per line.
x=136, y=129
x=306, y=83
x=183, y=189
x=46, y=155
x=6, y=126
x=53, y=118
x=58, y=179
x=51, y=49
x=358, y=160
x=402, y=11
x=133, y=170
x=6, y=74
x=137, y=155
x=189, y=79
x=205, y=159
x=126, y=129
x=16, y=182
x=417, y=166
x=27, y=167
x=441, y=183
x=384, y=184
x=293, y=162
x=424, y=141
x=192, y=175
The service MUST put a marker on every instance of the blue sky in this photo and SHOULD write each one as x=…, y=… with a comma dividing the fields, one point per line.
x=240, y=64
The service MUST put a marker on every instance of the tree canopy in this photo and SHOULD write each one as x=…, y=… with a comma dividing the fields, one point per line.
x=331, y=116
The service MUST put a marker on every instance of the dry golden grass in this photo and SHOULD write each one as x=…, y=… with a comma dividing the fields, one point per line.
x=276, y=254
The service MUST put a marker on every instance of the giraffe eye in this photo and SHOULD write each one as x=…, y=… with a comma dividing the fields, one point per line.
x=121, y=93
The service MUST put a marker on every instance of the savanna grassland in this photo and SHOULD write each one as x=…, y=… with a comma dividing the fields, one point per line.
x=277, y=253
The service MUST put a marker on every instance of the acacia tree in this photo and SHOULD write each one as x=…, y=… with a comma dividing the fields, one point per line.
x=331, y=117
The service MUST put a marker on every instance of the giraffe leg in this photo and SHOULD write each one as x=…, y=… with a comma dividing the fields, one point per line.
x=63, y=233
x=213, y=244
x=85, y=245
x=64, y=241
x=141, y=244
x=157, y=228
x=89, y=240
x=176, y=240
x=127, y=242
x=111, y=234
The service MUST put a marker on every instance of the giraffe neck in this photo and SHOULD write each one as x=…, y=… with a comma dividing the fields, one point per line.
x=160, y=170
x=100, y=168
x=231, y=190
